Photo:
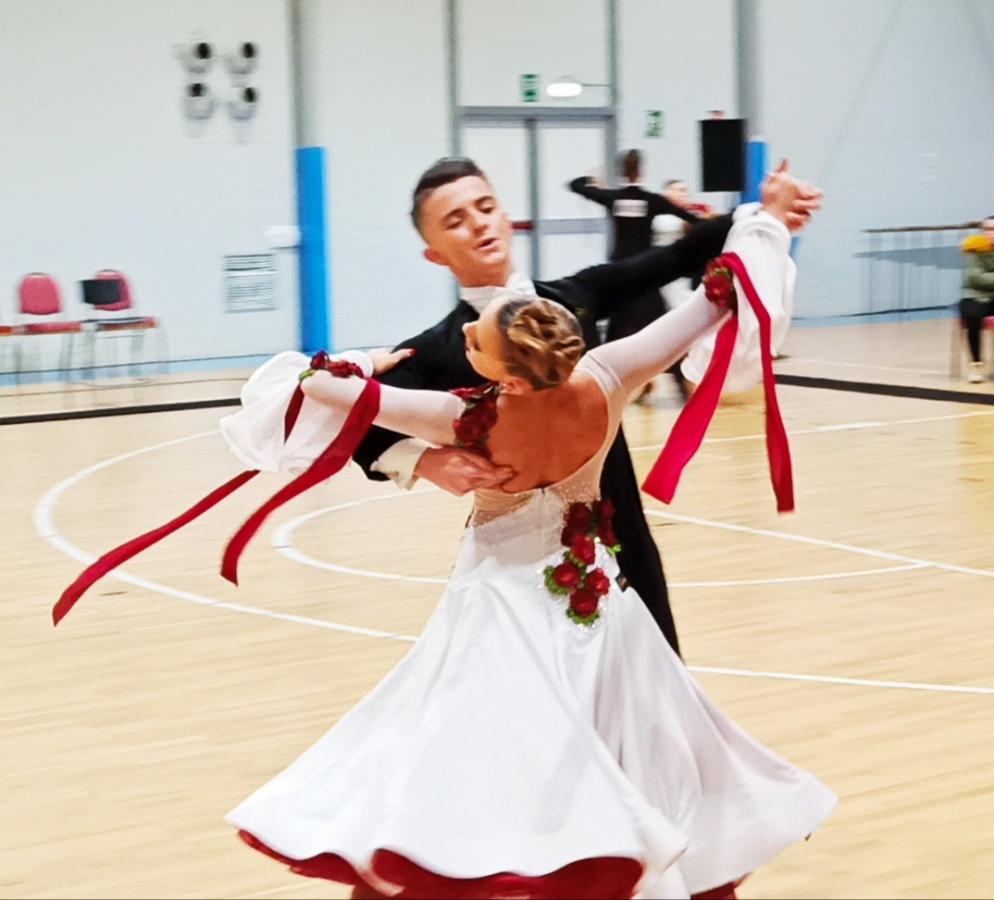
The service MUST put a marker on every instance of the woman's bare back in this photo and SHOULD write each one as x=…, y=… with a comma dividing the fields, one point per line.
x=546, y=436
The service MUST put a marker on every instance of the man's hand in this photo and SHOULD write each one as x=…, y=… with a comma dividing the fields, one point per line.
x=384, y=360
x=790, y=200
x=460, y=471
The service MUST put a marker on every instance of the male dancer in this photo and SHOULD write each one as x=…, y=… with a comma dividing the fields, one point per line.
x=466, y=230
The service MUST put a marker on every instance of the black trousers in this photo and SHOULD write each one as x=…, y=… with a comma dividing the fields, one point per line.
x=639, y=558
x=972, y=313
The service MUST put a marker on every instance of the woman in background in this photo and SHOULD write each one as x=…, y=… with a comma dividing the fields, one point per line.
x=978, y=293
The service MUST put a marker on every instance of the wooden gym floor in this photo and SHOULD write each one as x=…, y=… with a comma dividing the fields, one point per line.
x=854, y=637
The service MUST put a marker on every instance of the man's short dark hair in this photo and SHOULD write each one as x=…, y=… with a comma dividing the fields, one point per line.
x=444, y=171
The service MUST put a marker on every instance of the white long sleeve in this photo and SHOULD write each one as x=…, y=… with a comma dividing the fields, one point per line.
x=428, y=415
x=763, y=243
x=255, y=433
x=764, y=249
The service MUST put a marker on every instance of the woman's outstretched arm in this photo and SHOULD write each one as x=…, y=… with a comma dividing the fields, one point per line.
x=424, y=414
x=763, y=244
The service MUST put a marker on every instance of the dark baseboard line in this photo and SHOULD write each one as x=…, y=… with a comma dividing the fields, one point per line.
x=828, y=384
x=868, y=313
x=888, y=390
x=27, y=419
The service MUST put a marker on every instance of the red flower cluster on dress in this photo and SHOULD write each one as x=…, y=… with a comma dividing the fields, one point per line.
x=480, y=415
x=585, y=527
x=719, y=286
x=340, y=368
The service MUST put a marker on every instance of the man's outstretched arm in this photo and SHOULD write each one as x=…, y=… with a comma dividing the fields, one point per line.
x=604, y=289
x=585, y=187
x=601, y=290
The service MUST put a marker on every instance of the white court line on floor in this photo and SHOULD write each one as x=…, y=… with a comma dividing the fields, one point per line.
x=820, y=542
x=282, y=540
x=856, y=682
x=293, y=554
x=821, y=429
x=45, y=527
x=807, y=361
x=852, y=426
x=794, y=579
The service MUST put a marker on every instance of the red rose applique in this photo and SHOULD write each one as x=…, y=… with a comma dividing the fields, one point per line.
x=719, y=284
x=480, y=415
x=584, y=527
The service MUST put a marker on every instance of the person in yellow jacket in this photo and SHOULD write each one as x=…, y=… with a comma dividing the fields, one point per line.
x=977, y=301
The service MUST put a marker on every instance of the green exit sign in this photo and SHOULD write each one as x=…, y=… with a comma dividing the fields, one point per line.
x=654, y=123
x=529, y=88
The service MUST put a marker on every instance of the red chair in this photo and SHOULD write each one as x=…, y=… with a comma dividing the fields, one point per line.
x=113, y=324
x=38, y=297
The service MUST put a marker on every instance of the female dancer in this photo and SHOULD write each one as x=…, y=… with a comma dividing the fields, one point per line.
x=540, y=739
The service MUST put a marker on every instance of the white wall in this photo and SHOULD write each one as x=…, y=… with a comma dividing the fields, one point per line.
x=101, y=169
x=677, y=57
x=884, y=103
x=499, y=42
x=380, y=105
x=887, y=105
x=376, y=76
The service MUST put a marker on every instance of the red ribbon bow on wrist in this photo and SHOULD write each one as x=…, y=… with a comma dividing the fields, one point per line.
x=688, y=432
x=332, y=459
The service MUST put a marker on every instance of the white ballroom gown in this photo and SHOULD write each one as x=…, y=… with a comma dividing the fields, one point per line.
x=515, y=752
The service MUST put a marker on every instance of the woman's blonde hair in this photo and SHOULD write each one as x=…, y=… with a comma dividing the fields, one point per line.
x=542, y=341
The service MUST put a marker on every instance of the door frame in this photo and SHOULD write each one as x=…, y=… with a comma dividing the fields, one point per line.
x=531, y=118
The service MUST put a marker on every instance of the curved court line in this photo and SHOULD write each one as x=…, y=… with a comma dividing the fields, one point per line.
x=45, y=527
x=296, y=556
x=282, y=540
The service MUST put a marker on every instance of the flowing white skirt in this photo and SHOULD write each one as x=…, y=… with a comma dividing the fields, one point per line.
x=512, y=740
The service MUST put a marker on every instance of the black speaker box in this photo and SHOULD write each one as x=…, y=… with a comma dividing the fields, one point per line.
x=723, y=157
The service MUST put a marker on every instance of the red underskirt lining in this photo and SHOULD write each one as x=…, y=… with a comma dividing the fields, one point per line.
x=609, y=878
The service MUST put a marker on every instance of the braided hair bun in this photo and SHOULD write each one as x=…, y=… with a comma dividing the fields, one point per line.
x=542, y=341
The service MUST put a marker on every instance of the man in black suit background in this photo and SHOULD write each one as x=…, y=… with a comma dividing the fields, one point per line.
x=631, y=206
x=632, y=209
x=466, y=230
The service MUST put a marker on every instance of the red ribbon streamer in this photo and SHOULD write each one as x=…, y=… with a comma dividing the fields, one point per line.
x=688, y=432
x=120, y=555
x=330, y=461
x=336, y=455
